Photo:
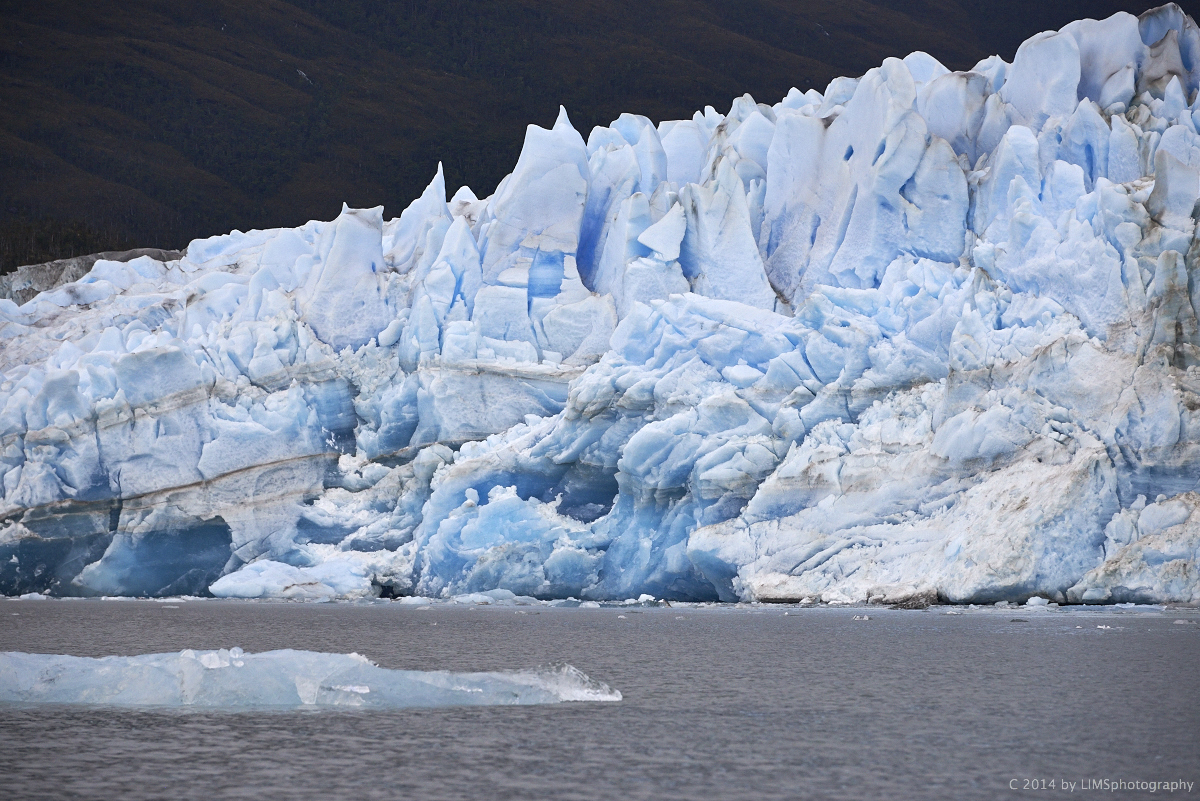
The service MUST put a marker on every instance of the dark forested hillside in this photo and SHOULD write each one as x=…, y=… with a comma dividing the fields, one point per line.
x=142, y=123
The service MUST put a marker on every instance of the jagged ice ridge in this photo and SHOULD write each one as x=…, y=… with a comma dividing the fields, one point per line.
x=925, y=332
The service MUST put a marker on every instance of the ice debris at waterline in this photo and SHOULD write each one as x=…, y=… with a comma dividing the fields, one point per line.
x=925, y=333
x=231, y=679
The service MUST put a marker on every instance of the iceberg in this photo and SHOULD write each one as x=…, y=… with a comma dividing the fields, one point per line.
x=229, y=679
x=923, y=334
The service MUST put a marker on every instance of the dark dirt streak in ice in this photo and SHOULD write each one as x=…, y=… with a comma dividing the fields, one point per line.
x=719, y=703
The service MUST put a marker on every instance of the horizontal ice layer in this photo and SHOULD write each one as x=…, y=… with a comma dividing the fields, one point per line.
x=269, y=579
x=924, y=332
x=228, y=679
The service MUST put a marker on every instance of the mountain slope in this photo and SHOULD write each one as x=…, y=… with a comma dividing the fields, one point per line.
x=143, y=124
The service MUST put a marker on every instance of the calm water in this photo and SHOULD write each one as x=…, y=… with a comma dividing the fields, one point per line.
x=720, y=703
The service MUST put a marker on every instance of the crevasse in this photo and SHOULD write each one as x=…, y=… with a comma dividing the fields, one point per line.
x=926, y=332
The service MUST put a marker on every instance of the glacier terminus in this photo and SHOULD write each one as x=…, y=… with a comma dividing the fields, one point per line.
x=924, y=334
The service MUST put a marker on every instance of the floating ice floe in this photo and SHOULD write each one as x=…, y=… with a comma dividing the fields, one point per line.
x=927, y=334
x=233, y=680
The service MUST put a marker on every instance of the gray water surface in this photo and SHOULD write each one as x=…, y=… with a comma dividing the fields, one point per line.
x=719, y=703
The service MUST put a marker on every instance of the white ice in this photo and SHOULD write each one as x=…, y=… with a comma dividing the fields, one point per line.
x=229, y=679
x=926, y=332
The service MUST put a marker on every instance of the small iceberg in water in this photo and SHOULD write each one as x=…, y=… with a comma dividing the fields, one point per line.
x=231, y=679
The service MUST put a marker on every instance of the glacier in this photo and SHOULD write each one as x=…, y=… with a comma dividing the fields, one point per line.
x=924, y=334
x=230, y=679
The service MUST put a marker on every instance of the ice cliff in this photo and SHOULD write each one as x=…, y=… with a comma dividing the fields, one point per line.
x=926, y=332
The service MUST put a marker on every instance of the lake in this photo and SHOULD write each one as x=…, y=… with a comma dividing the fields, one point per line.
x=720, y=702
